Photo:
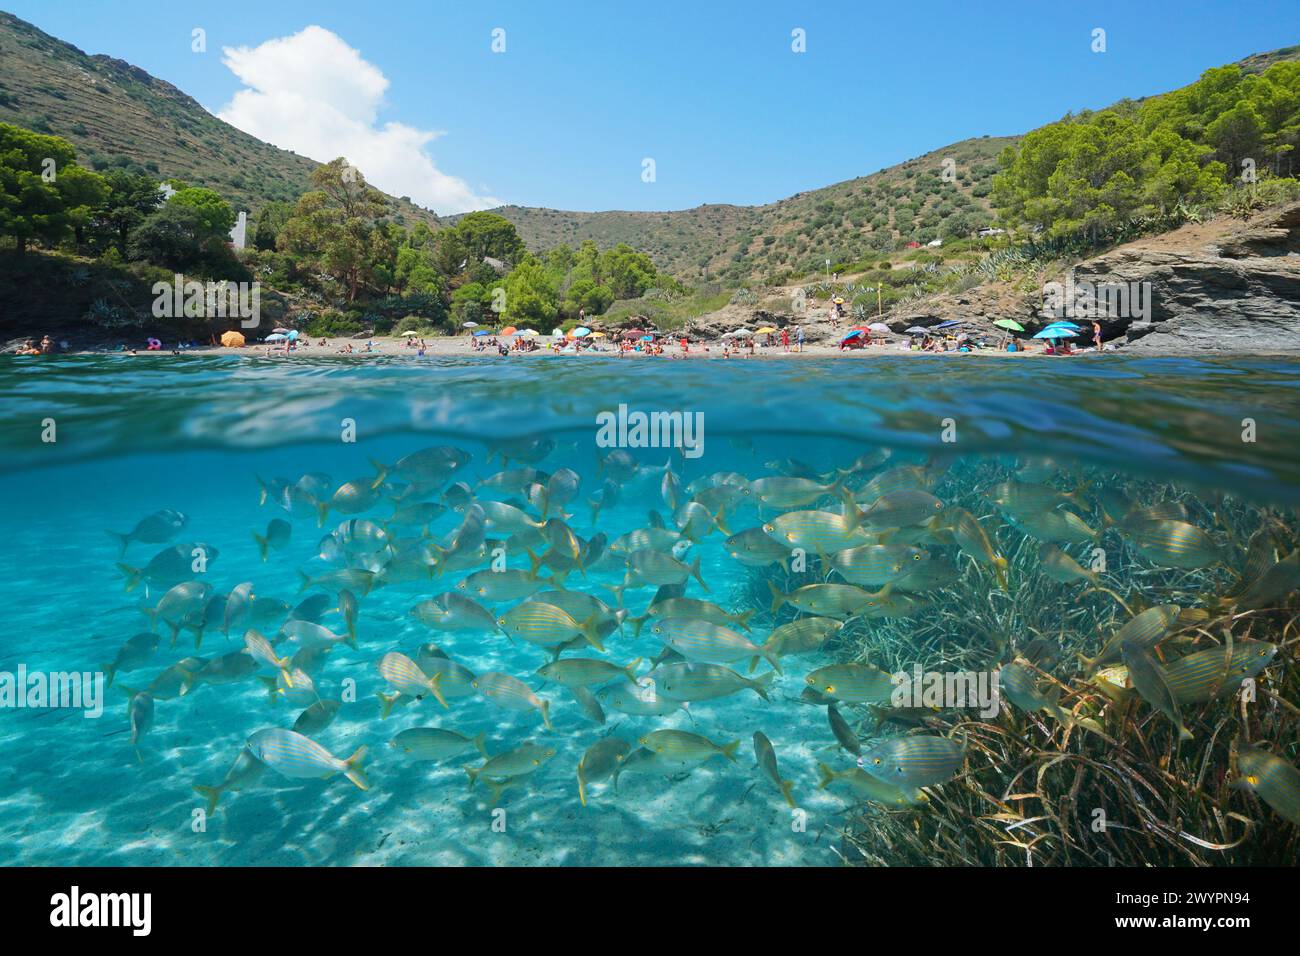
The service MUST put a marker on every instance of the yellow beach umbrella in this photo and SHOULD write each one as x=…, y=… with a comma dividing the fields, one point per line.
x=597, y=335
x=232, y=339
x=764, y=330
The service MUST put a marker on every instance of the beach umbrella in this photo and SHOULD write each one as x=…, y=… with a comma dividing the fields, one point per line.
x=469, y=325
x=633, y=333
x=839, y=300
x=949, y=324
x=557, y=333
x=855, y=334
x=596, y=335
x=275, y=337
x=741, y=332
x=647, y=338
x=1055, y=334
x=1011, y=324
x=408, y=334
x=232, y=339
x=1062, y=324
x=917, y=330
x=280, y=331
x=580, y=332
x=482, y=332
x=878, y=327
x=765, y=330
x=293, y=336
x=509, y=330
x=528, y=333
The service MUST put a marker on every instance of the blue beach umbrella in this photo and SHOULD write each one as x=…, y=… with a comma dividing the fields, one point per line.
x=482, y=332
x=949, y=324
x=855, y=334
x=1062, y=324
x=274, y=337
x=1055, y=333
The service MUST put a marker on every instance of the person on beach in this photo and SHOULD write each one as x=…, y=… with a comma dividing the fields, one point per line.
x=798, y=331
x=785, y=339
x=1096, y=334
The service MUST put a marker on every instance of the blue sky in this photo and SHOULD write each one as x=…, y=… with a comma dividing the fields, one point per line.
x=710, y=90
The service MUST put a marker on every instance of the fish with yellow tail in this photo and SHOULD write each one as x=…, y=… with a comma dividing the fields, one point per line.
x=765, y=755
x=406, y=677
x=512, y=694
x=599, y=761
x=301, y=758
x=1272, y=779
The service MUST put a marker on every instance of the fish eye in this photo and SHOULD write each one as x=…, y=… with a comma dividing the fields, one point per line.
x=501, y=622
x=916, y=557
x=830, y=688
x=875, y=761
x=1252, y=779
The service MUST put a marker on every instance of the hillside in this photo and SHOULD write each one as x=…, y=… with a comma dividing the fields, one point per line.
x=845, y=222
x=112, y=111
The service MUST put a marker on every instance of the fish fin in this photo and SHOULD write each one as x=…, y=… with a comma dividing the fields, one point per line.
x=271, y=687
x=480, y=742
x=546, y=714
x=111, y=671
x=386, y=702
x=588, y=628
x=263, y=545
x=827, y=776
x=211, y=794
x=695, y=573
x=132, y=575
x=729, y=750
x=638, y=623
x=381, y=472
x=582, y=786
x=304, y=581
x=353, y=769
x=777, y=597
x=435, y=685
x=742, y=620
x=771, y=657
x=322, y=512
x=787, y=791
x=759, y=684
x=720, y=519
x=534, y=563
x=121, y=539
x=630, y=669
x=473, y=776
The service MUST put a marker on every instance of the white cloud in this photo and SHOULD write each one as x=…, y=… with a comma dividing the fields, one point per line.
x=314, y=94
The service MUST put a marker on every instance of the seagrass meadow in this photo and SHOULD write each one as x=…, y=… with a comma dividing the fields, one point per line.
x=432, y=612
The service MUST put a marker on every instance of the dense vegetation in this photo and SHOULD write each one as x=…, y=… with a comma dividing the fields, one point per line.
x=1093, y=173
x=334, y=250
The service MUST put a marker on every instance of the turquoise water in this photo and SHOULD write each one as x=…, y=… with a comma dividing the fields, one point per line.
x=195, y=434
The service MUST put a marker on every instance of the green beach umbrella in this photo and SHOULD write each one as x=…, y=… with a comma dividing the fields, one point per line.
x=1011, y=324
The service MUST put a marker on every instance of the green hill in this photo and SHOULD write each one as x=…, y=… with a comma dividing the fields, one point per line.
x=113, y=112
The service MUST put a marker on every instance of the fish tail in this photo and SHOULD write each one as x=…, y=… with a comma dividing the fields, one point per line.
x=695, y=573
x=787, y=791
x=304, y=581
x=111, y=671
x=637, y=624
x=210, y=794
x=590, y=632
x=720, y=519
x=546, y=714
x=729, y=750
x=777, y=597
x=630, y=669
x=827, y=776
x=261, y=490
x=263, y=546
x=772, y=657
x=121, y=539
x=742, y=620
x=353, y=769
x=759, y=684
x=176, y=632
x=381, y=472
x=852, y=512
x=132, y=575
x=322, y=512
x=480, y=742
x=386, y=702
x=534, y=562
x=435, y=686
x=582, y=786
x=271, y=689
x=473, y=776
